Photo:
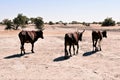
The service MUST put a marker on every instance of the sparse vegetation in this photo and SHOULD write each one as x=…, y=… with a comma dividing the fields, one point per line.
x=118, y=23
x=75, y=22
x=108, y=22
x=86, y=24
x=8, y=24
x=39, y=23
x=20, y=20
x=51, y=23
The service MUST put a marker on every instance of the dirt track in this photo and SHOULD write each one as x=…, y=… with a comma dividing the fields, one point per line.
x=47, y=63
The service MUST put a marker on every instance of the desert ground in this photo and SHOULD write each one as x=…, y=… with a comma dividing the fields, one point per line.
x=48, y=63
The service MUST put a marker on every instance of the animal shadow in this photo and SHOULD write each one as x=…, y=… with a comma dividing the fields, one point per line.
x=16, y=56
x=89, y=53
x=61, y=58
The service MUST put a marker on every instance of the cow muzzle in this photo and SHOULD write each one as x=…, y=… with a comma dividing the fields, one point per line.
x=42, y=37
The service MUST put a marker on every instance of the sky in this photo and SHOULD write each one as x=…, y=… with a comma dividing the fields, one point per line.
x=62, y=10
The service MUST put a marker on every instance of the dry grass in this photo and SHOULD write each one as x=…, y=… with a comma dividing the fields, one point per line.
x=48, y=63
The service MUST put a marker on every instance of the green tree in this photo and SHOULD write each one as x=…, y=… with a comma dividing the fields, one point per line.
x=74, y=22
x=118, y=23
x=108, y=22
x=86, y=24
x=20, y=20
x=51, y=23
x=8, y=24
x=32, y=20
x=39, y=23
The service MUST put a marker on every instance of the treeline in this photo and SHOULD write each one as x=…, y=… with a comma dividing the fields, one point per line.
x=106, y=22
x=22, y=21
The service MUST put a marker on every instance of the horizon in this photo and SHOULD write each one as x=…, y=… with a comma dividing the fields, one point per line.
x=66, y=11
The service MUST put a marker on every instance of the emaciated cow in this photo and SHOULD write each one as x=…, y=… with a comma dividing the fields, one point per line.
x=98, y=36
x=72, y=39
x=29, y=37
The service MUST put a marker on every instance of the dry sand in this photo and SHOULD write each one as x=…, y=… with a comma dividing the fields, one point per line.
x=48, y=63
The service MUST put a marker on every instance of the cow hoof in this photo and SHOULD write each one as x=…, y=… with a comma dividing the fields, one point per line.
x=33, y=52
x=70, y=55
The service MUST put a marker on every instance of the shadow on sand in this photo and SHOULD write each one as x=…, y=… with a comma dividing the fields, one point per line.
x=16, y=56
x=89, y=53
x=61, y=58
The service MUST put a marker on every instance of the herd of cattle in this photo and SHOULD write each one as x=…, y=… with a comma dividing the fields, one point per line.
x=70, y=39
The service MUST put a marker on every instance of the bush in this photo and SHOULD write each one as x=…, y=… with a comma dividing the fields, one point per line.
x=51, y=23
x=8, y=24
x=118, y=23
x=108, y=22
x=20, y=20
x=86, y=24
x=38, y=23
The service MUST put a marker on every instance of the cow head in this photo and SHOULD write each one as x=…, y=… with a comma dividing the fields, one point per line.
x=40, y=34
x=80, y=35
x=104, y=33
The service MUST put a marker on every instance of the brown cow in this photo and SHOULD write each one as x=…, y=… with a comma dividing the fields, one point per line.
x=29, y=37
x=98, y=36
x=72, y=39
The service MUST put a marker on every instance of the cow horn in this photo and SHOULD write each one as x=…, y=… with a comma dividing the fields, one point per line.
x=83, y=30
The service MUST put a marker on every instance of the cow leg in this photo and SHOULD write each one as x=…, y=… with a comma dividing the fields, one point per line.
x=66, y=52
x=32, y=47
x=74, y=49
x=96, y=45
x=100, y=45
x=22, y=48
x=93, y=44
x=77, y=49
x=70, y=50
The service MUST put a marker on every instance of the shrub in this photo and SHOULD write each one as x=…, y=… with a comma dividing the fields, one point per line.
x=86, y=24
x=20, y=20
x=8, y=24
x=108, y=22
x=38, y=23
x=51, y=23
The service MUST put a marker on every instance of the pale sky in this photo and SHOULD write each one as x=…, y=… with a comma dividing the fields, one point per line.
x=62, y=10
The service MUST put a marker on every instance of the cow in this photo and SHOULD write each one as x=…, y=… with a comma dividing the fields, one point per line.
x=29, y=37
x=72, y=39
x=97, y=36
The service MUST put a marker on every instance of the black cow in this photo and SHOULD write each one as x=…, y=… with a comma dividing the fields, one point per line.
x=72, y=39
x=98, y=36
x=29, y=37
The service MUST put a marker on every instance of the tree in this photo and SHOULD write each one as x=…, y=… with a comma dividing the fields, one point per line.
x=20, y=20
x=108, y=22
x=74, y=22
x=32, y=20
x=8, y=24
x=118, y=23
x=51, y=23
x=86, y=24
x=38, y=22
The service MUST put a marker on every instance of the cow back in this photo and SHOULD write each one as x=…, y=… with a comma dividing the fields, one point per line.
x=71, y=38
x=27, y=36
x=96, y=35
x=32, y=35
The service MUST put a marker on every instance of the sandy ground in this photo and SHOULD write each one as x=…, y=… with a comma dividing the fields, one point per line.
x=48, y=63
